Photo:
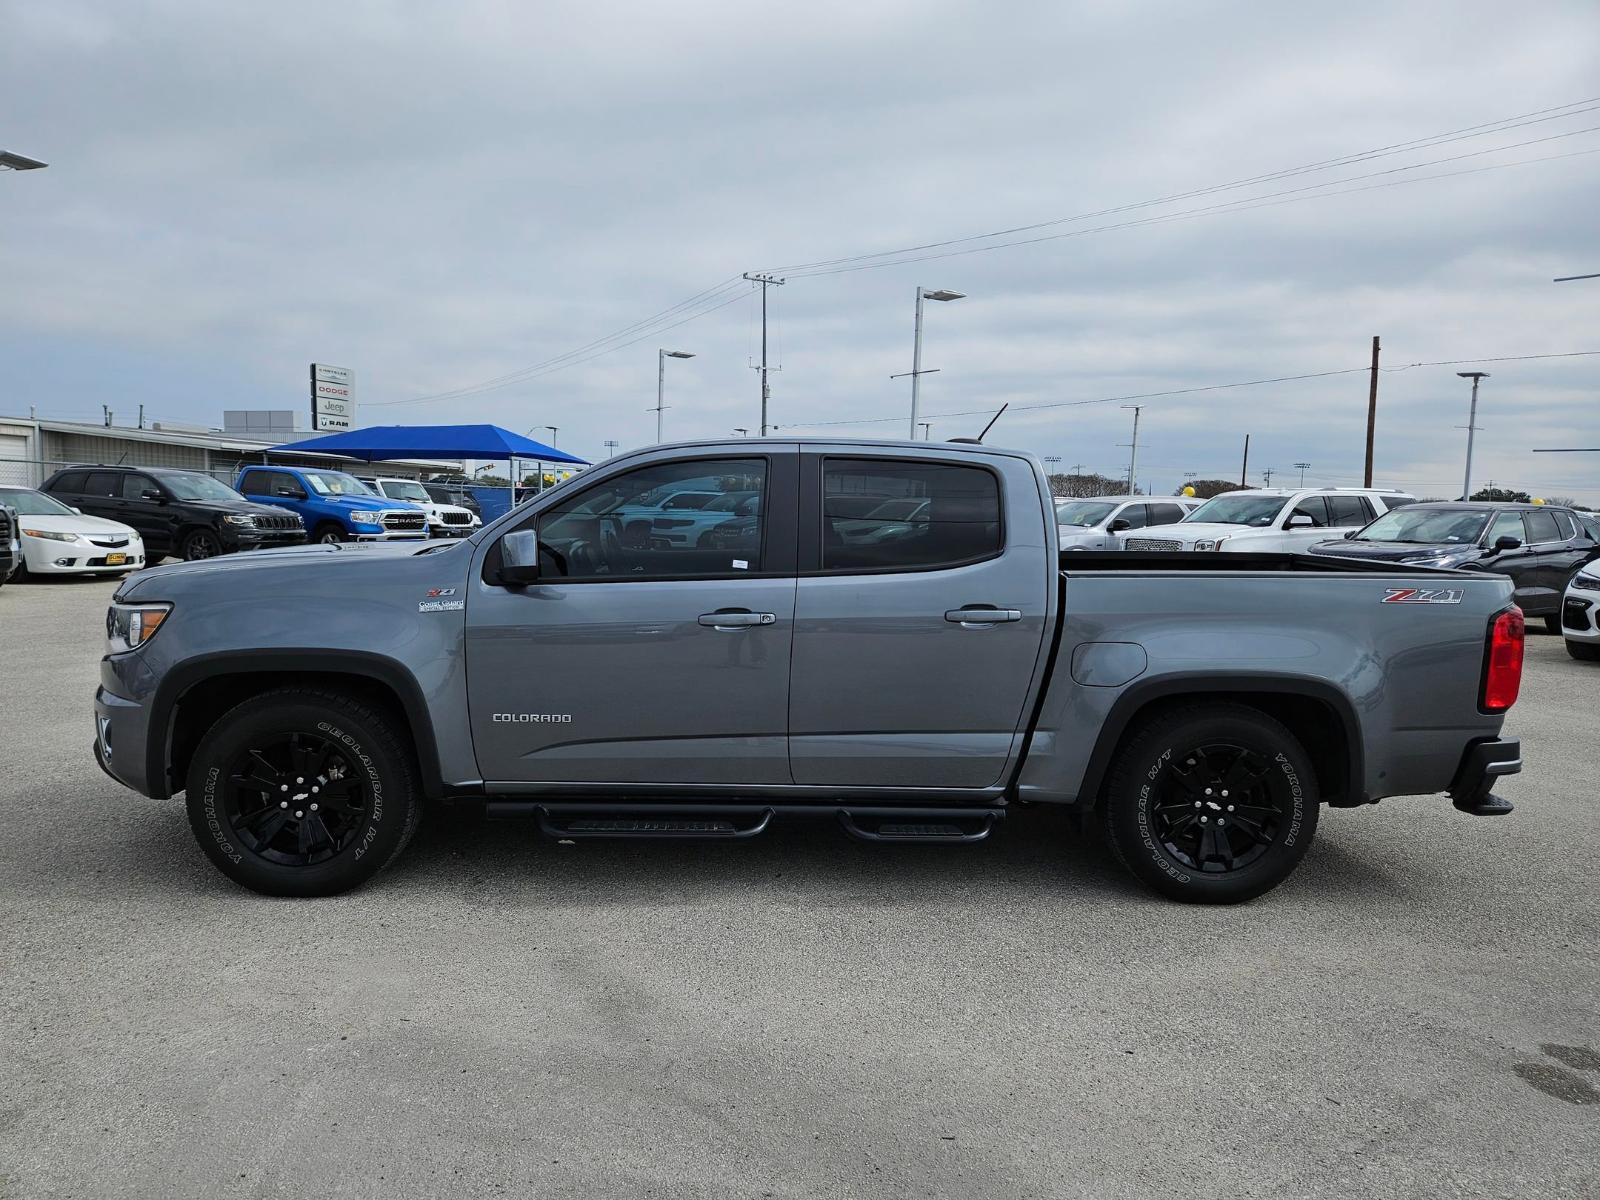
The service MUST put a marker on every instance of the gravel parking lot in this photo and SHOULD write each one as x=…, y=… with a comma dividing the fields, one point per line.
x=799, y=1016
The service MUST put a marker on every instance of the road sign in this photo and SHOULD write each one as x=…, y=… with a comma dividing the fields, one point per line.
x=333, y=403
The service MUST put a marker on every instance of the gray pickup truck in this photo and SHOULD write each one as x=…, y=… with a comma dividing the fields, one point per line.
x=880, y=633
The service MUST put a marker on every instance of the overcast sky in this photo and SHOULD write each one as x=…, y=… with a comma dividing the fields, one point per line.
x=440, y=195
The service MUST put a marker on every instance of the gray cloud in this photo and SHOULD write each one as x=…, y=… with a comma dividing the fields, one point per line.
x=437, y=196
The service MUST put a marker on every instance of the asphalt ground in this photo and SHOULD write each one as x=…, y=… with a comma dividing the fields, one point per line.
x=1412, y=1014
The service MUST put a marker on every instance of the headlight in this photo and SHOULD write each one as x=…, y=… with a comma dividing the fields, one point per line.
x=364, y=516
x=129, y=626
x=1586, y=583
x=1207, y=543
x=51, y=536
x=244, y=519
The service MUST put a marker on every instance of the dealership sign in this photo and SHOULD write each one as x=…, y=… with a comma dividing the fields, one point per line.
x=333, y=401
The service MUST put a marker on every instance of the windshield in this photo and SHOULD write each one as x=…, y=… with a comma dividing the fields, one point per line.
x=198, y=487
x=336, y=483
x=34, y=504
x=1238, y=510
x=404, y=489
x=1082, y=513
x=1433, y=526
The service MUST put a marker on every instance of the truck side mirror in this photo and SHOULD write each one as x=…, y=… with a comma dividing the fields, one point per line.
x=1299, y=521
x=153, y=496
x=519, y=558
x=1506, y=542
x=1120, y=524
x=1350, y=533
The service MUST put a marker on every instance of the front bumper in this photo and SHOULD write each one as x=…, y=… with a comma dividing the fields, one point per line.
x=121, y=744
x=266, y=539
x=1580, y=618
x=452, y=531
x=1482, y=765
x=77, y=558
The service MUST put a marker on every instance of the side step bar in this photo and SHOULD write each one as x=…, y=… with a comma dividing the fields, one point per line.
x=733, y=822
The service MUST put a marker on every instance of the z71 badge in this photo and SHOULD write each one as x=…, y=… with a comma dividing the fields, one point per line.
x=1422, y=596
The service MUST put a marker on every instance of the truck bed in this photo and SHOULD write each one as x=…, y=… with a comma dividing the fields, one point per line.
x=1127, y=562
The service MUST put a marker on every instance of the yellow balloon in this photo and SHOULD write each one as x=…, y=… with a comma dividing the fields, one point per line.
x=1188, y=491
x=1538, y=499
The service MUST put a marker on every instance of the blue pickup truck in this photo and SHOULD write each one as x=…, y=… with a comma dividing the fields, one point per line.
x=334, y=506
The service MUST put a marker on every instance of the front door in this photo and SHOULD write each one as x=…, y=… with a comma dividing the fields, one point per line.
x=915, y=639
x=641, y=657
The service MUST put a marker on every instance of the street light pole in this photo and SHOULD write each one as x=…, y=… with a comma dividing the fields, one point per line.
x=1472, y=423
x=18, y=162
x=923, y=293
x=661, y=383
x=552, y=430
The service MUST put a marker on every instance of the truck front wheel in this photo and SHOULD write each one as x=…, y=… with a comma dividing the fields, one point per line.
x=329, y=532
x=1211, y=804
x=299, y=792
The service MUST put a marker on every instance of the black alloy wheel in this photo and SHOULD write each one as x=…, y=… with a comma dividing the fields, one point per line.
x=1215, y=810
x=295, y=799
x=201, y=544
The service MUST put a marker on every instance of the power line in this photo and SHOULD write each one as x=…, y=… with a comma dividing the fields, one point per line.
x=1576, y=108
x=1271, y=200
x=1212, y=387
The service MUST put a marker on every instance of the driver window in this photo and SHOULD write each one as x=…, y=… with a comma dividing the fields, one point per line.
x=1507, y=524
x=671, y=520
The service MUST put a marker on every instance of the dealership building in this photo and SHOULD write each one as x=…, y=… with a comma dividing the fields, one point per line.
x=32, y=448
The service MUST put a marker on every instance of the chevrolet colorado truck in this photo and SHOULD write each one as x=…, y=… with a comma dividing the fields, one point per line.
x=916, y=676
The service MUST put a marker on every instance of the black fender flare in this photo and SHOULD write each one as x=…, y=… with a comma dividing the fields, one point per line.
x=360, y=664
x=1138, y=695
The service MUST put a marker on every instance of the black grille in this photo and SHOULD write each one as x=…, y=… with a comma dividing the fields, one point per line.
x=6, y=530
x=1575, y=614
x=458, y=518
x=111, y=543
x=287, y=521
x=404, y=521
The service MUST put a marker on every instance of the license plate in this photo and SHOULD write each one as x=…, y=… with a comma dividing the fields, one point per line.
x=116, y=560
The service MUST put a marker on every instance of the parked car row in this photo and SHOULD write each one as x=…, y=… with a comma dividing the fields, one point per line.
x=108, y=520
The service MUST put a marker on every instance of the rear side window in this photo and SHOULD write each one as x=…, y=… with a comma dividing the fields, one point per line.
x=103, y=483
x=1398, y=501
x=71, y=481
x=904, y=516
x=1165, y=514
x=1349, y=510
x=1315, y=507
x=1565, y=524
x=1541, y=527
x=256, y=483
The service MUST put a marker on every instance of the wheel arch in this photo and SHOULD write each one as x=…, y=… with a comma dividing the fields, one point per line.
x=193, y=694
x=1305, y=706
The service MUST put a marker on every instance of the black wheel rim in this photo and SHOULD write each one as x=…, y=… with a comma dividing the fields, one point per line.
x=1219, y=807
x=296, y=799
x=201, y=545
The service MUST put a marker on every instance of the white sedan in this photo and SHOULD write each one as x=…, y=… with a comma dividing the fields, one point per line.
x=57, y=540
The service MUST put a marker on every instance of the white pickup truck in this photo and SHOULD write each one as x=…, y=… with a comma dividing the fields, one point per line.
x=1272, y=520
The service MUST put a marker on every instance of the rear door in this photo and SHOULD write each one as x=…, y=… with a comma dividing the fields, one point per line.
x=1549, y=547
x=1521, y=564
x=915, y=641
x=635, y=659
x=102, y=495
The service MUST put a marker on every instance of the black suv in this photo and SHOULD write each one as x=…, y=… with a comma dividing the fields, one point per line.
x=186, y=513
x=1539, y=546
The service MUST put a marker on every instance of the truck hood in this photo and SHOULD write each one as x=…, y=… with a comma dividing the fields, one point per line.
x=1188, y=532
x=284, y=560
x=250, y=507
x=369, y=503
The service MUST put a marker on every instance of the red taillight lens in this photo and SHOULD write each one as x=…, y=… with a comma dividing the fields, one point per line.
x=1502, y=673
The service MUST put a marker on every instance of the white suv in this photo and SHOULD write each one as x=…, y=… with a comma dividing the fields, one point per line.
x=1580, y=613
x=444, y=520
x=1106, y=522
x=1278, y=520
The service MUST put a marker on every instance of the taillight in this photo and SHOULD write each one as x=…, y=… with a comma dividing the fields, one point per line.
x=1502, y=669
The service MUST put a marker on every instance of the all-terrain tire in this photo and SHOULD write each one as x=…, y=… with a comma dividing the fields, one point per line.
x=1177, y=825
x=296, y=747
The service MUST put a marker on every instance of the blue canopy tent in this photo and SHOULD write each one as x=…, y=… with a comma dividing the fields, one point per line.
x=477, y=442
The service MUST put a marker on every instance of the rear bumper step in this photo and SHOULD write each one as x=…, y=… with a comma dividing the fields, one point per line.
x=1481, y=766
x=730, y=822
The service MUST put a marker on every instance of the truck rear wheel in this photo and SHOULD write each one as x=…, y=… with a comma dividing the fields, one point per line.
x=301, y=792
x=1211, y=804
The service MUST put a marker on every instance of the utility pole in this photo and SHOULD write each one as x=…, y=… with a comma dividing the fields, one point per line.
x=1133, y=457
x=1304, y=467
x=1472, y=426
x=611, y=445
x=1267, y=476
x=1244, y=470
x=927, y=430
x=1372, y=412
x=765, y=281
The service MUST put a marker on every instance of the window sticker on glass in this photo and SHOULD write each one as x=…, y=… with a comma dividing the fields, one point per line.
x=740, y=564
x=317, y=485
